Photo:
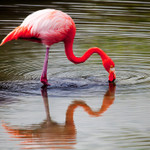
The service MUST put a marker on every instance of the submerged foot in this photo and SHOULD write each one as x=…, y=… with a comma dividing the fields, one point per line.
x=45, y=82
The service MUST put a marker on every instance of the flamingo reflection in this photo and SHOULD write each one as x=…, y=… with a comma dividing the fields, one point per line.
x=50, y=134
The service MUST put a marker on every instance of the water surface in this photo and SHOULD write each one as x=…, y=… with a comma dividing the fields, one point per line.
x=80, y=110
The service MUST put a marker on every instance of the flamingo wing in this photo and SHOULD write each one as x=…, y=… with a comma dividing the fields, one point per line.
x=46, y=26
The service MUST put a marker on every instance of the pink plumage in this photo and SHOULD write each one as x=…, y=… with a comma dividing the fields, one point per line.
x=49, y=26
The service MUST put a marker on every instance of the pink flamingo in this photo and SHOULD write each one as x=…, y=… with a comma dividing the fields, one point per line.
x=49, y=26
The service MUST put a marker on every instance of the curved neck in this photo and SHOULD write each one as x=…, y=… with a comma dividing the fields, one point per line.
x=87, y=54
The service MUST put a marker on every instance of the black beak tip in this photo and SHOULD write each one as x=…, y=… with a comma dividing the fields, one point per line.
x=111, y=81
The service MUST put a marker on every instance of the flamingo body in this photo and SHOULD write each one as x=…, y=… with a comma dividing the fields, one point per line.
x=49, y=26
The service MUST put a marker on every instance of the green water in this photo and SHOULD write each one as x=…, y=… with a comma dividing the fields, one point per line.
x=80, y=110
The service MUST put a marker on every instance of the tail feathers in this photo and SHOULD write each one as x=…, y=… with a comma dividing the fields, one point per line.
x=19, y=32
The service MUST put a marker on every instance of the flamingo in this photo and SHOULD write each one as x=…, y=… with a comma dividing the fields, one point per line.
x=49, y=26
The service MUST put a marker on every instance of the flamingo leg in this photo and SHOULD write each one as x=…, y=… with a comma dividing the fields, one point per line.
x=44, y=72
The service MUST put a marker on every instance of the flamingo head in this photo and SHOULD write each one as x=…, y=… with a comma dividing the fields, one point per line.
x=109, y=65
x=112, y=75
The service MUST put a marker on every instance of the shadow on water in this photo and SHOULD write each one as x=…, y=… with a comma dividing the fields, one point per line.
x=50, y=134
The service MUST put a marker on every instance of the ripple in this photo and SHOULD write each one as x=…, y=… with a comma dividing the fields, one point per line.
x=133, y=77
x=58, y=87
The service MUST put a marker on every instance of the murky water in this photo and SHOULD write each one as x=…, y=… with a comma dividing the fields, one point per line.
x=80, y=110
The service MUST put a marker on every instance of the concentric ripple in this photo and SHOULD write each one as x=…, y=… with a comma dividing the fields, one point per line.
x=135, y=76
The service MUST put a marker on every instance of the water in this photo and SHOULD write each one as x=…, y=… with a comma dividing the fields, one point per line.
x=80, y=110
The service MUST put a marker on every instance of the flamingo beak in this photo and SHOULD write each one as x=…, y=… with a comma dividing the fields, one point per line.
x=112, y=75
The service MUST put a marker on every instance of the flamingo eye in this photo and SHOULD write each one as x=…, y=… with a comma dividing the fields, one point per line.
x=111, y=66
